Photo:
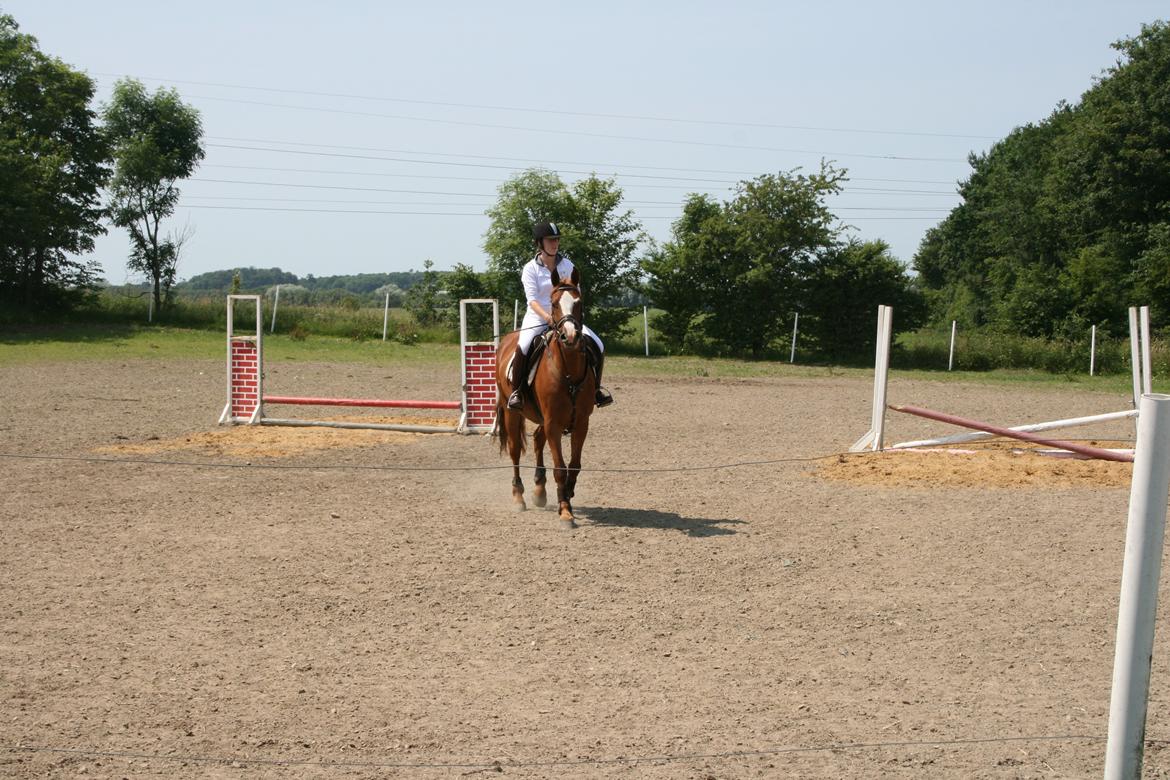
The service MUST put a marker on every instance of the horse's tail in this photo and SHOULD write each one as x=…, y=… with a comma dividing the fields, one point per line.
x=498, y=427
x=501, y=433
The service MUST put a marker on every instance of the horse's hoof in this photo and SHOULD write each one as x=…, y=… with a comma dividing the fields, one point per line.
x=568, y=524
x=540, y=502
x=519, y=507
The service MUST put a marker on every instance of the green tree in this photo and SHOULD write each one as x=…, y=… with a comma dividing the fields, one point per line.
x=596, y=233
x=423, y=300
x=739, y=270
x=845, y=285
x=53, y=163
x=1060, y=221
x=157, y=143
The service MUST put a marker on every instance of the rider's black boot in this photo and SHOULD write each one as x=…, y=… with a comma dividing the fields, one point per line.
x=602, y=397
x=519, y=381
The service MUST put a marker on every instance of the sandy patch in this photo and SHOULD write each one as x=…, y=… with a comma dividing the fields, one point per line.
x=266, y=441
x=984, y=464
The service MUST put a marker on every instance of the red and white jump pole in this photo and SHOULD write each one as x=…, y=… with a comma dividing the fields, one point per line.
x=245, y=384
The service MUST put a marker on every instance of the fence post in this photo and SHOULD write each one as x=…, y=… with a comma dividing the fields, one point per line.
x=275, y=303
x=646, y=328
x=515, y=313
x=951, y=358
x=150, y=306
x=385, y=316
x=792, y=354
x=1092, y=349
x=1141, y=569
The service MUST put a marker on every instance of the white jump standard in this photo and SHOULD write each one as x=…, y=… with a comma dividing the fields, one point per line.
x=245, y=383
x=1139, y=335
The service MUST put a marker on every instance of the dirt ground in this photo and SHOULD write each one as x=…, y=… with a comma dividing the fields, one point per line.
x=741, y=599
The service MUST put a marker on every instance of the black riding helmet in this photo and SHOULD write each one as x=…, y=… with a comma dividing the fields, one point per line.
x=545, y=230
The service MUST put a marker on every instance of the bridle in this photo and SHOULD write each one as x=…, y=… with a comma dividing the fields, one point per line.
x=576, y=320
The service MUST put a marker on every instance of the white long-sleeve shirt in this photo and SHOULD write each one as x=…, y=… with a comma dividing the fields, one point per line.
x=537, y=280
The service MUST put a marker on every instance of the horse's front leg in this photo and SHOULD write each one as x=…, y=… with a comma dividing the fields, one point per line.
x=577, y=443
x=561, y=475
x=539, y=494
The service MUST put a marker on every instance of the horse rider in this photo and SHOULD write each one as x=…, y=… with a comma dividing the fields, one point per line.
x=538, y=288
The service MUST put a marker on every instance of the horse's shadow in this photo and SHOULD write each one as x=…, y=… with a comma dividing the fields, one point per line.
x=651, y=518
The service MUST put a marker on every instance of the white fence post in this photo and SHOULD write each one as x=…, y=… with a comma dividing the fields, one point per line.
x=150, y=306
x=385, y=316
x=515, y=313
x=1092, y=349
x=1144, y=534
x=951, y=359
x=275, y=303
x=792, y=353
x=646, y=328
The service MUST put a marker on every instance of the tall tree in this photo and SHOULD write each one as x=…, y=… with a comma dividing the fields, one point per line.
x=596, y=233
x=1063, y=223
x=746, y=262
x=845, y=284
x=53, y=163
x=157, y=143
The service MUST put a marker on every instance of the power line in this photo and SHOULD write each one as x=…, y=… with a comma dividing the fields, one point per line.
x=453, y=213
x=641, y=203
x=581, y=133
x=485, y=165
x=673, y=120
x=854, y=190
x=528, y=162
x=437, y=162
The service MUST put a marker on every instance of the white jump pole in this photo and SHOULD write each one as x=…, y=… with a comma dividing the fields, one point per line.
x=881, y=374
x=385, y=316
x=646, y=329
x=275, y=303
x=1147, y=373
x=1051, y=425
x=1135, y=354
x=951, y=358
x=1141, y=570
x=792, y=353
x=515, y=314
x=1092, y=349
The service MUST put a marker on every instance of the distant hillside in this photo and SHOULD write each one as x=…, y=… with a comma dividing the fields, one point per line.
x=258, y=279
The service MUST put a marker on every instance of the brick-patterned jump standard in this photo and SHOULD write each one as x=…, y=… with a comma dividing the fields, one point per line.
x=246, y=397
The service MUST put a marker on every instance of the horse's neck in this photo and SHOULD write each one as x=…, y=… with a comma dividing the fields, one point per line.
x=569, y=362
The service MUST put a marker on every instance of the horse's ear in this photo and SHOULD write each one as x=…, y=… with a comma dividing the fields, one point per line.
x=556, y=278
x=576, y=278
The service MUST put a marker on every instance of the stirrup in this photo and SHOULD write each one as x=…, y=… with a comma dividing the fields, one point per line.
x=602, y=397
x=516, y=400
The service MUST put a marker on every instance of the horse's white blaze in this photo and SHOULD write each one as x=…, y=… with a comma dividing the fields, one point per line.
x=567, y=302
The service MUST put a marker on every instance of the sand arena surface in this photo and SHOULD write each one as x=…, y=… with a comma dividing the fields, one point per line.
x=274, y=602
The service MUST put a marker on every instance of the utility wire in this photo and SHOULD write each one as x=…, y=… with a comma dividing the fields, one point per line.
x=528, y=163
x=641, y=203
x=468, y=165
x=479, y=106
x=854, y=190
x=582, y=133
x=358, y=467
x=548, y=763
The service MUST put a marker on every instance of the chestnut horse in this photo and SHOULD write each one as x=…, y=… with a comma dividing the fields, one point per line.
x=559, y=401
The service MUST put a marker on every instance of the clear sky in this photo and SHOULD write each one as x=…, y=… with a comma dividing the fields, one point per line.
x=406, y=117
